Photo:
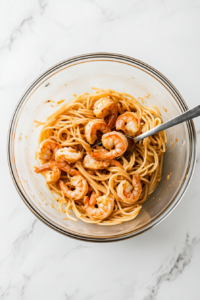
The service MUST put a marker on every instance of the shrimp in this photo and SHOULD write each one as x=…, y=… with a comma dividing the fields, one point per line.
x=106, y=107
x=129, y=123
x=93, y=164
x=98, y=208
x=111, y=140
x=115, y=163
x=130, y=193
x=92, y=127
x=70, y=154
x=51, y=176
x=47, y=150
x=81, y=188
x=63, y=165
x=111, y=162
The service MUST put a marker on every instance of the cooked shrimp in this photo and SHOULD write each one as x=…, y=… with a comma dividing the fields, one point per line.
x=93, y=164
x=112, y=162
x=111, y=140
x=98, y=207
x=63, y=165
x=129, y=123
x=115, y=163
x=106, y=107
x=81, y=188
x=51, y=176
x=70, y=154
x=92, y=127
x=47, y=150
x=130, y=193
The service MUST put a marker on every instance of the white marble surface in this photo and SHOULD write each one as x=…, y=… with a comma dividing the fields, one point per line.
x=35, y=261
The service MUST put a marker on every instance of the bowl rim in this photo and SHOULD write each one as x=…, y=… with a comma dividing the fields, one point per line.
x=123, y=59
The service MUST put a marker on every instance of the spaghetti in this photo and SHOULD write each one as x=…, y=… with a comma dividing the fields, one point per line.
x=88, y=183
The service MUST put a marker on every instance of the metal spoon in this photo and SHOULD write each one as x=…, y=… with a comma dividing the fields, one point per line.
x=188, y=115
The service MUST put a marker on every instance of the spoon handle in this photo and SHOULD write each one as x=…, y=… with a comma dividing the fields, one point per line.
x=188, y=115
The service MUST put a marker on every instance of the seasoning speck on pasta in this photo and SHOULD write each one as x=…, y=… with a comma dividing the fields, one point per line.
x=90, y=182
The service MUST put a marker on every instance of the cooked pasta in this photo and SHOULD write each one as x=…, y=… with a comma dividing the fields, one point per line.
x=98, y=184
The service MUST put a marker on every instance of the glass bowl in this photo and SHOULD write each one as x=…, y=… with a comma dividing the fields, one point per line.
x=77, y=75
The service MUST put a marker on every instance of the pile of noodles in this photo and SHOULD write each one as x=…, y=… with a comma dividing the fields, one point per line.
x=67, y=127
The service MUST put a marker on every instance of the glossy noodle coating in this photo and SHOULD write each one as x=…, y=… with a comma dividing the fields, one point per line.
x=91, y=182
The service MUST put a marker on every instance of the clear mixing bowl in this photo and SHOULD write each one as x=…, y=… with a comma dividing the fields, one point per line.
x=77, y=75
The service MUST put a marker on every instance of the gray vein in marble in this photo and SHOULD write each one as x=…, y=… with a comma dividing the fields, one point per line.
x=17, y=33
x=108, y=15
x=128, y=285
x=78, y=247
x=58, y=24
x=18, y=243
x=115, y=13
x=169, y=14
x=22, y=290
x=75, y=295
x=72, y=296
x=22, y=238
x=8, y=292
x=100, y=295
x=175, y=11
x=42, y=5
x=14, y=211
x=176, y=267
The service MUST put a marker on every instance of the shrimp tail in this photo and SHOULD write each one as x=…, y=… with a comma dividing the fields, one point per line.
x=112, y=162
x=52, y=176
x=68, y=169
x=120, y=124
x=42, y=168
x=112, y=120
x=73, y=172
x=37, y=170
x=86, y=200
x=116, y=163
x=63, y=187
